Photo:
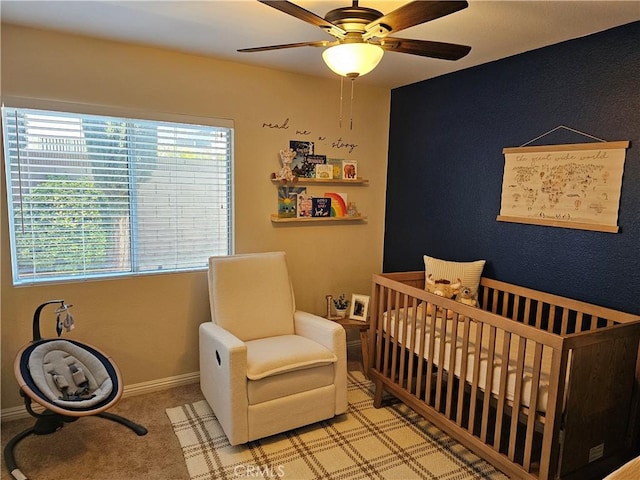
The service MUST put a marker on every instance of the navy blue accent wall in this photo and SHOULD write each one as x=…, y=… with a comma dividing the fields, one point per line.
x=446, y=165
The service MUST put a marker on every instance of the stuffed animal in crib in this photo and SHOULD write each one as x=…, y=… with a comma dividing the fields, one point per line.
x=443, y=288
x=466, y=296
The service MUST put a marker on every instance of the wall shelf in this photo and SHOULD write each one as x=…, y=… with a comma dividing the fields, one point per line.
x=320, y=181
x=354, y=219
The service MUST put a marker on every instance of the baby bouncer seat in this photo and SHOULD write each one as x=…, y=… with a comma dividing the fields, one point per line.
x=68, y=378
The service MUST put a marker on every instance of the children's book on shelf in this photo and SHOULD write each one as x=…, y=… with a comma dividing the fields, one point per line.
x=301, y=147
x=338, y=203
x=299, y=166
x=310, y=164
x=287, y=198
x=305, y=205
x=336, y=163
x=324, y=171
x=321, y=207
x=349, y=169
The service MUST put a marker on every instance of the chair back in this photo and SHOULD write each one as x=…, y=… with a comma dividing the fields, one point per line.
x=251, y=296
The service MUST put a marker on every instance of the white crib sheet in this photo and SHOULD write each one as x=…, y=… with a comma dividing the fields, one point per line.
x=543, y=384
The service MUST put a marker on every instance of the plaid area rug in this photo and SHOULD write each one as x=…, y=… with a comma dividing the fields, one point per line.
x=366, y=443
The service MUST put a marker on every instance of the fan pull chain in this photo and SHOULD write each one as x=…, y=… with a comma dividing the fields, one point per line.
x=350, y=102
x=351, y=107
x=341, y=88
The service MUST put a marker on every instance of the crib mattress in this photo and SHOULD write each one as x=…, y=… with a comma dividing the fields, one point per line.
x=423, y=334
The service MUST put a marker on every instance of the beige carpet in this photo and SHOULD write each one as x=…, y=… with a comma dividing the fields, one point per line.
x=366, y=443
x=97, y=449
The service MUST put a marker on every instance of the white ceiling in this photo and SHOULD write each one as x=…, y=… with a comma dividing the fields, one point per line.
x=494, y=29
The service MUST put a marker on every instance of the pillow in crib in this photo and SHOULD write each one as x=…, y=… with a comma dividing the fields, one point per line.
x=468, y=272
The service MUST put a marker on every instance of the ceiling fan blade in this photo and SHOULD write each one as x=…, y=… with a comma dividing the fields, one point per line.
x=305, y=15
x=424, y=48
x=411, y=14
x=321, y=43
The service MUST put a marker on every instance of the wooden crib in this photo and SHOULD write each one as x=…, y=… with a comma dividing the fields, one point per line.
x=573, y=368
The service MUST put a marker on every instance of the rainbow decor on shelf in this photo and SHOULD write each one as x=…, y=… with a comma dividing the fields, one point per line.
x=338, y=204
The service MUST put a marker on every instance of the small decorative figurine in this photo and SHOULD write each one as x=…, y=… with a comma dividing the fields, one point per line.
x=329, y=302
x=285, y=174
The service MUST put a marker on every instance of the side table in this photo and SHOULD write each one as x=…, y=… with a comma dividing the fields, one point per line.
x=363, y=327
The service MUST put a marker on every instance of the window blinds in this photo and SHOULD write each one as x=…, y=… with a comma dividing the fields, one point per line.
x=92, y=195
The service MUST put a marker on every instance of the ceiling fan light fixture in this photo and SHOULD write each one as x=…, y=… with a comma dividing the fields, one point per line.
x=352, y=59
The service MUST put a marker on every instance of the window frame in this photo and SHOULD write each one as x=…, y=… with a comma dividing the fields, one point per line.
x=124, y=113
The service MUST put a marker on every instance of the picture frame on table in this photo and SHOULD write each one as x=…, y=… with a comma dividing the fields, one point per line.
x=359, y=307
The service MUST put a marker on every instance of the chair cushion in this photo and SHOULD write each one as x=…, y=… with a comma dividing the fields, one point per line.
x=284, y=353
x=290, y=383
x=251, y=295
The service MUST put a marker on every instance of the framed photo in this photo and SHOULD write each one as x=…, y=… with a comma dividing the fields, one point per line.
x=359, y=308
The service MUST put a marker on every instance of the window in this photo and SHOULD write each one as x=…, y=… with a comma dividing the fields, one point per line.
x=94, y=196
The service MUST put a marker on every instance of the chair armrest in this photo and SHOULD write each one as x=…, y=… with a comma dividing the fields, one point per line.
x=332, y=336
x=223, y=378
x=325, y=332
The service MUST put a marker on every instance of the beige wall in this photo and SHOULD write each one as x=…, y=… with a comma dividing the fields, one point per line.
x=149, y=324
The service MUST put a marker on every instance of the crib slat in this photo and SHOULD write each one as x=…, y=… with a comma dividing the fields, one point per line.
x=379, y=328
x=579, y=320
x=396, y=341
x=552, y=318
x=494, y=301
x=533, y=405
x=505, y=303
x=387, y=335
x=476, y=377
x=517, y=394
x=527, y=311
x=464, y=356
x=516, y=307
x=441, y=366
x=430, y=354
x=539, y=306
x=403, y=342
x=502, y=389
x=565, y=321
x=412, y=344
x=423, y=330
x=485, y=298
x=452, y=364
x=488, y=383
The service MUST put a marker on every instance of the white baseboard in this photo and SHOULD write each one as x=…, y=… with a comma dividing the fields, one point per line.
x=16, y=413
x=161, y=384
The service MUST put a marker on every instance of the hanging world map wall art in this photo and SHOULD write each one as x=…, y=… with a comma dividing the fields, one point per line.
x=571, y=186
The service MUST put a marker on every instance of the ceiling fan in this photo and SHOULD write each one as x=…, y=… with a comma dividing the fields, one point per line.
x=363, y=34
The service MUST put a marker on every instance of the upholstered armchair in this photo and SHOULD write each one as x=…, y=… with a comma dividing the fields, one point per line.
x=266, y=367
